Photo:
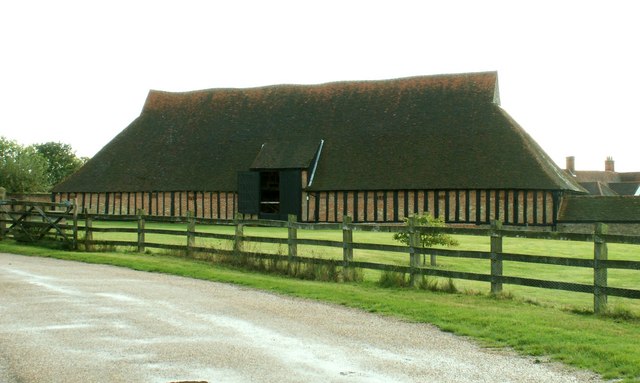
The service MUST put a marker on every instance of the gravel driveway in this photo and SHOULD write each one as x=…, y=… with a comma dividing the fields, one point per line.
x=72, y=322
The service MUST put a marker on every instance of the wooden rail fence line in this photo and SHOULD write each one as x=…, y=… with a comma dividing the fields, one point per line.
x=600, y=263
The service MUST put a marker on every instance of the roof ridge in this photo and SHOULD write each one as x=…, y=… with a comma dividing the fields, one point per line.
x=483, y=84
x=340, y=82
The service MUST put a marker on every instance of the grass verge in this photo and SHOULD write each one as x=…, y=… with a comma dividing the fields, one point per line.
x=607, y=345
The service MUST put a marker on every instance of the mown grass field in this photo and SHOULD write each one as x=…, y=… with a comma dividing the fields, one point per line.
x=545, y=324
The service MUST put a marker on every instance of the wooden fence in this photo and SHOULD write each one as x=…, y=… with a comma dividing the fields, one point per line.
x=600, y=264
x=31, y=221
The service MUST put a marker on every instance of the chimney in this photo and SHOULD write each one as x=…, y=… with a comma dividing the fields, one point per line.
x=609, y=165
x=571, y=165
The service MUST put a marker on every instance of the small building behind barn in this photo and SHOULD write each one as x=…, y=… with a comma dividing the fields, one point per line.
x=613, y=199
x=377, y=151
x=606, y=182
x=580, y=214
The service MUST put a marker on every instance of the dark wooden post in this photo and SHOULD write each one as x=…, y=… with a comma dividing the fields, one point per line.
x=496, y=257
x=414, y=243
x=88, y=234
x=3, y=225
x=292, y=237
x=141, y=213
x=432, y=259
x=347, y=240
x=74, y=212
x=237, y=242
x=600, y=253
x=191, y=230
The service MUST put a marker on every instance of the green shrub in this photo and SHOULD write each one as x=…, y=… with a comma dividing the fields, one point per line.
x=427, y=239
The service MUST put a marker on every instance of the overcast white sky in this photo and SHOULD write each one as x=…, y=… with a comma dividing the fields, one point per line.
x=78, y=72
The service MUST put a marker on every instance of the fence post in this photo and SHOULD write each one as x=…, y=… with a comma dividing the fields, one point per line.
x=191, y=230
x=292, y=237
x=414, y=243
x=432, y=260
x=237, y=242
x=600, y=253
x=3, y=225
x=74, y=201
x=496, y=257
x=141, y=213
x=347, y=240
x=88, y=234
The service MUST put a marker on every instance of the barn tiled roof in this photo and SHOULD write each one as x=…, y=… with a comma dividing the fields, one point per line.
x=286, y=155
x=430, y=132
x=599, y=209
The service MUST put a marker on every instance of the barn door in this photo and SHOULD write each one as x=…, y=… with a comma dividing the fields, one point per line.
x=248, y=192
x=290, y=193
x=270, y=194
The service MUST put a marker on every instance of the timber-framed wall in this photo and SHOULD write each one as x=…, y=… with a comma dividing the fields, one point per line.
x=473, y=207
x=216, y=205
x=513, y=207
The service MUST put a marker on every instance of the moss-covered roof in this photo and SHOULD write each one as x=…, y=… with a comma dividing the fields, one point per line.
x=444, y=132
x=600, y=209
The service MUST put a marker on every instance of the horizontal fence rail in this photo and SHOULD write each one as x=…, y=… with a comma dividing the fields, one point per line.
x=600, y=263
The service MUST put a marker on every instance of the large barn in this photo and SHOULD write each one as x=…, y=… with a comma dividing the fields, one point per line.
x=375, y=150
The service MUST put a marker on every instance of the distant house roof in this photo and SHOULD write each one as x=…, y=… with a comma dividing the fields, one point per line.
x=630, y=177
x=606, y=181
x=596, y=176
x=429, y=132
x=626, y=188
x=588, y=209
x=598, y=188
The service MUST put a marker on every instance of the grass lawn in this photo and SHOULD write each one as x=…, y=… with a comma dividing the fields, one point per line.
x=605, y=344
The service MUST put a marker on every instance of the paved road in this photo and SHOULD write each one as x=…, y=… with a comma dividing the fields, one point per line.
x=72, y=322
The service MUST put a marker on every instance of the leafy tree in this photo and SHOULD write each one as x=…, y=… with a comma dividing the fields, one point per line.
x=427, y=239
x=61, y=160
x=22, y=170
